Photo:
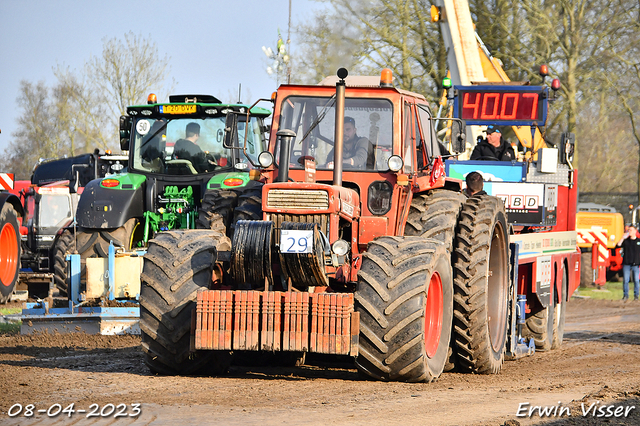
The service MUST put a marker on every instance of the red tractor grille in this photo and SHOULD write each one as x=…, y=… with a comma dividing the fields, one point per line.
x=297, y=199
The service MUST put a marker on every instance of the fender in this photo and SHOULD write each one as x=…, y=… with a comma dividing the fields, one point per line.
x=7, y=197
x=101, y=207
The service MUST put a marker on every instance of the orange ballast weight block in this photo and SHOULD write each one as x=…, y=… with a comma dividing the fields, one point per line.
x=276, y=321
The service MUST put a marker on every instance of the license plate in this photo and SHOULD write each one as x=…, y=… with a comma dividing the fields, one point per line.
x=295, y=241
x=178, y=109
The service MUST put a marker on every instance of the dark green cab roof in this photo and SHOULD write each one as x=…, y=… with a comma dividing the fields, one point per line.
x=202, y=109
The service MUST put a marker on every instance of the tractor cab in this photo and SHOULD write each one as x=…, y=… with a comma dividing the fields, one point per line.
x=345, y=159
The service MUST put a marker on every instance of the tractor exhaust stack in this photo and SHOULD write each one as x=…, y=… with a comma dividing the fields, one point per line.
x=338, y=149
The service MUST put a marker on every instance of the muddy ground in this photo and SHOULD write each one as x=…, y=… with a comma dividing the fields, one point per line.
x=599, y=364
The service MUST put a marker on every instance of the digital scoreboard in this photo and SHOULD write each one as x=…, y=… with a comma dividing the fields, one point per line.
x=501, y=105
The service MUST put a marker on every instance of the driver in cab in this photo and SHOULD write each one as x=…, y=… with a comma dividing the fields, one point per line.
x=493, y=147
x=358, y=152
x=188, y=149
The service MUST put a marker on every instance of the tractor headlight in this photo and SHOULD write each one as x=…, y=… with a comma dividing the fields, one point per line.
x=395, y=163
x=379, y=197
x=265, y=159
x=340, y=247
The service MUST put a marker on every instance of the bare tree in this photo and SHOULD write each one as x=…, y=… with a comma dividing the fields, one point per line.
x=39, y=129
x=327, y=43
x=127, y=71
x=80, y=112
x=367, y=36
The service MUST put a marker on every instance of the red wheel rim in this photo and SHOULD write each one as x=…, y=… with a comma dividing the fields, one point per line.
x=433, y=315
x=8, y=254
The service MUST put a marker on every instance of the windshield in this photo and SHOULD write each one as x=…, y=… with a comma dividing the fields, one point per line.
x=368, y=131
x=55, y=210
x=191, y=146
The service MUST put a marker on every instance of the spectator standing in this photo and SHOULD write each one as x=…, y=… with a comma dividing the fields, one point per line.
x=630, y=244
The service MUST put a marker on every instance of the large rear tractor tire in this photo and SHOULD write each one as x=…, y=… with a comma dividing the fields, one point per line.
x=177, y=264
x=434, y=215
x=65, y=244
x=405, y=301
x=9, y=251
x=481, y=283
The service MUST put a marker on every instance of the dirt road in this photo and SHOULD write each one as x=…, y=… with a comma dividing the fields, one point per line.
x=599, y=364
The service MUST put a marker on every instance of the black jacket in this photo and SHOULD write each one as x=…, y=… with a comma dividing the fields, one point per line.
x=631, y=251
x=485, y=151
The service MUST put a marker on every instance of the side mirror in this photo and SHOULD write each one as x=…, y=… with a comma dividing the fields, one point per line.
x=231, y=131
x=458, y=137
x=125, y=131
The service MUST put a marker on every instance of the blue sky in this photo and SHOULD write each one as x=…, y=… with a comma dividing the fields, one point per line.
x=213, y=45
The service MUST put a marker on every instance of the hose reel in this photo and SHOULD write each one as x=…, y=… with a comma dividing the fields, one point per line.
x=251, y=253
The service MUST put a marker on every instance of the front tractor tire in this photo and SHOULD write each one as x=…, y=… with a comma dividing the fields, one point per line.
x=435, y=214
x=9, y=251
x=405, y=301
x=177, y=264
x=92, y=243
x=65, y=244
x=481, y=283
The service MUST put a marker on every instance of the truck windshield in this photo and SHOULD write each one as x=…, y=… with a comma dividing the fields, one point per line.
x=190, y=146
x=55, y=210
x=368, y=132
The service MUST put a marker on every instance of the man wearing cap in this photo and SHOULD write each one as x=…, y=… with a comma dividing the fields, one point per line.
x=358, y=152
x=494, y=147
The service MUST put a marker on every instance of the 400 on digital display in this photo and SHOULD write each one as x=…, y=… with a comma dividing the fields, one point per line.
x=506, y=105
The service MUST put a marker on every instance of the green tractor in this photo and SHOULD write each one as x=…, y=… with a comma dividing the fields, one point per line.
x=181, y=174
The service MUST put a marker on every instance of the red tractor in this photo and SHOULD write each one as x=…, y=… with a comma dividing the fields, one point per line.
x=359, y=245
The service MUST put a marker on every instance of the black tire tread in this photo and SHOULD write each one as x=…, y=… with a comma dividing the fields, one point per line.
x=177, y=264
x=249, y=206
x=390, y=298
x=470, y=324
x=65, y=244
x=434, y=214
x=217, y=209
x=560, y=313
x=539, y=327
